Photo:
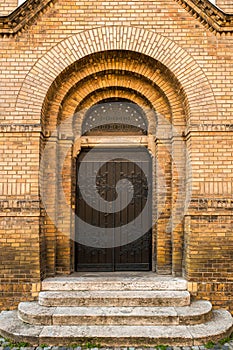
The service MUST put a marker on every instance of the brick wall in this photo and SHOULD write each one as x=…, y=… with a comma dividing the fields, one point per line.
x=8, y=6
x=19, y=214
x=225, y=5
x=156, y=54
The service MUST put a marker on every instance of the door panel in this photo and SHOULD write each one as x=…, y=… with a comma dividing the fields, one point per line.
x=136, y=255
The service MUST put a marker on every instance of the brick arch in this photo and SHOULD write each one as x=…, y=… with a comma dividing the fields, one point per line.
x=200, y=100
x=149, y=92
x=160, y=108
x=121, y=92
x=119, y=62
x=52, y=68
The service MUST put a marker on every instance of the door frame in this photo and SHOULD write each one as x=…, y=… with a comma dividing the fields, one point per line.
x=121, y=142
x=140, y=265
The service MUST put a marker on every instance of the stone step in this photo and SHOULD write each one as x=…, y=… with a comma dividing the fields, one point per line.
x=220, y=326
x=89, y=282
x=33, y=313
x=114, y=298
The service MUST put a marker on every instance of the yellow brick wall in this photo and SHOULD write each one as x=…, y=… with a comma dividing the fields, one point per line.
x=225, y=5
x=7, y=6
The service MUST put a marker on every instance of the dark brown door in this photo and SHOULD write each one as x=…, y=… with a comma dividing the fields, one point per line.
x=128, y=227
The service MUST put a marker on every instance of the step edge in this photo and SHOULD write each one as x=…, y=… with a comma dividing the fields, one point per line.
x=48, y=319
x=58, y=293
x=40, y=338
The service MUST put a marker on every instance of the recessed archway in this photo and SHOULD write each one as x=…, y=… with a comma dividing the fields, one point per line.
x=115, y=240
x=141, y=80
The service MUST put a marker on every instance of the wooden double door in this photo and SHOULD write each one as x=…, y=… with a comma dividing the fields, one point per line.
x=131, y=245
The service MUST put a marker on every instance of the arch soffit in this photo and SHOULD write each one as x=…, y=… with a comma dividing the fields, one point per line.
x=150, y=111
x=152, y=77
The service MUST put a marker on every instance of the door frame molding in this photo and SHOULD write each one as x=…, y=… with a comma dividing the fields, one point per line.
x=117, y=266
x=131, y=141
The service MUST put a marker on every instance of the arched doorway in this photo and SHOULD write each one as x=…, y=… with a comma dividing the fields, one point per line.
x=149, y=90
x=113, y=230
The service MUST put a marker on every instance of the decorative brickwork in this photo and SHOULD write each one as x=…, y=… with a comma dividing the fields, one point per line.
x=215, y=19
x=160, y=48
x=58, y=59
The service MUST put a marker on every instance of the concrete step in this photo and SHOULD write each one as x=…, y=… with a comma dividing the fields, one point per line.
x=220, y=326
x=33, y=313
x=114, y=298
x=145, y=281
